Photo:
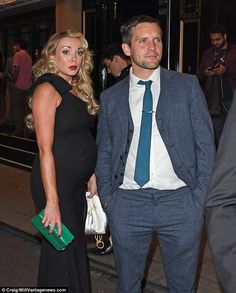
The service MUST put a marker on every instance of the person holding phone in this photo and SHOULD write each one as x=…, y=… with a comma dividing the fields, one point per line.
x=217, y=73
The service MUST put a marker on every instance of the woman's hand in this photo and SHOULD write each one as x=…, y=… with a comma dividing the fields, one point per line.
x=52, y=216
x=92, y=185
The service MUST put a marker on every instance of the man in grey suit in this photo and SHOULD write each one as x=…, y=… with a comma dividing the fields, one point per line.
x=221, y=205
x=155, y=156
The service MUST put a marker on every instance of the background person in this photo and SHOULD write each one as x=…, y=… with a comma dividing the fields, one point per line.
x=63, y=109
x=22, y=81
x=117, y=65
x=116, y=62
x=154, y=162
x=7, y=122
x=218, y=72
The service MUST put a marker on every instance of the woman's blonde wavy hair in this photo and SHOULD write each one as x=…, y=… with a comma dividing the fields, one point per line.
x=81, y=82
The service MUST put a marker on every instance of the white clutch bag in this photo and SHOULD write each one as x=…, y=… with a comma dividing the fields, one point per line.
x=96, y=219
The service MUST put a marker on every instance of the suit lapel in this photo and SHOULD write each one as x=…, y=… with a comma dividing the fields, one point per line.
x=124, y=110
x=165, y=102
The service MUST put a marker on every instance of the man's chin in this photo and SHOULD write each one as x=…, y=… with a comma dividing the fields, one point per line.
x=151, y=65
x=219, y=47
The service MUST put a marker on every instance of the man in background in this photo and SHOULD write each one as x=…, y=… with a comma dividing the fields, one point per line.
x=117, y=64
x=217, y=71
x=7, y=122
x=22, y=80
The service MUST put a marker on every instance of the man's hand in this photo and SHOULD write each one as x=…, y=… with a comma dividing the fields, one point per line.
x=209, y=72
x=219, y=70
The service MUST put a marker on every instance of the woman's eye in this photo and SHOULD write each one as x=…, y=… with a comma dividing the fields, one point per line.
x=65, y=52
x=80, y=53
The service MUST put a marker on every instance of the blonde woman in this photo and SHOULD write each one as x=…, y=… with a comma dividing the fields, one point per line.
x=63, y=110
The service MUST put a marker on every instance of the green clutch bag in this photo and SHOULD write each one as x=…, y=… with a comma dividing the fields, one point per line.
x=60, y=243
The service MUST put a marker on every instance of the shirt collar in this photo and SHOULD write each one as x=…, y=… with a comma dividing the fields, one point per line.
x=154, y=77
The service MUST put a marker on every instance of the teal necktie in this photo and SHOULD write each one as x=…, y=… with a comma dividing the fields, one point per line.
x=142, y=166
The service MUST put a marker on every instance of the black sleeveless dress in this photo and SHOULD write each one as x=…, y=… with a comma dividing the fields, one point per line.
x=74, y=153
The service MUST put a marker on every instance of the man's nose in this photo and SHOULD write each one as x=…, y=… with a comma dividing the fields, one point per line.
x=151, y=45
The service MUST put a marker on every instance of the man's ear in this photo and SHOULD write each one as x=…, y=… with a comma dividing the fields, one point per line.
x=126, y=49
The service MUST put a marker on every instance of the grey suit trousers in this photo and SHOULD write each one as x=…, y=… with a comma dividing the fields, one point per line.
x=133, y=217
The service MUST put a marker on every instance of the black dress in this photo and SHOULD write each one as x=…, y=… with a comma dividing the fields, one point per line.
x=74, y=153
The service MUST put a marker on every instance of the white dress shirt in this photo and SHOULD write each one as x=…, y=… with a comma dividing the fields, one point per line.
x=162, y=174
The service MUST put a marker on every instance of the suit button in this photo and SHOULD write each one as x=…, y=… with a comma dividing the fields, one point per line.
x=121, y=157
x=120, y=183
x=115, y=176
x=121, y=174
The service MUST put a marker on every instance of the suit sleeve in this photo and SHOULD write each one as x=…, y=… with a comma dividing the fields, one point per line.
x=204, y=142
x=221, y=205
x=222, y=188
x=103, y=167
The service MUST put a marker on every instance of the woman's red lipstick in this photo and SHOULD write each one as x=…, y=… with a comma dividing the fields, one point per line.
x=73, y=67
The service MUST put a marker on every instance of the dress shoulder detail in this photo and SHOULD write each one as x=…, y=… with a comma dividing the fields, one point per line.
x=59, y=83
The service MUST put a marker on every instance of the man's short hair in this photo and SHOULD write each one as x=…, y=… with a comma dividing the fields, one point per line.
x=112, y=50
x=217, y=29
x=22, y=43
x=126, y=30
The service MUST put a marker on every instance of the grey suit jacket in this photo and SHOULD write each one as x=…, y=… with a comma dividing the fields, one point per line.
x=221, y=205
x=183, y=122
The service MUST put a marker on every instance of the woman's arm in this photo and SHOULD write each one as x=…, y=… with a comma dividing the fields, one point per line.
x=44, y=103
